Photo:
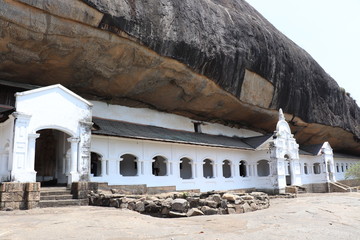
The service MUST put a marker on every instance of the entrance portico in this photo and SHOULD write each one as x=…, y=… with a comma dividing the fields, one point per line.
x=68, y=117
x=285, y=155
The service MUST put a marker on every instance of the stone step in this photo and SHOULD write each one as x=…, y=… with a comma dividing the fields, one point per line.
x=56, y=197
x=52, y=193
x=63, y=203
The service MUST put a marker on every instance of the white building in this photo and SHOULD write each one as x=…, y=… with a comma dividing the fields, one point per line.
x=54, y=136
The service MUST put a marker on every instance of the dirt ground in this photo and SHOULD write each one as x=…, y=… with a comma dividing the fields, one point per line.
x=310, y=216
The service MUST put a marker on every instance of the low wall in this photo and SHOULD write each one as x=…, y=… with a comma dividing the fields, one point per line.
x=316, y=187
x=351, y=182
x=81, y=190
x=185, y=204
x=19, y=195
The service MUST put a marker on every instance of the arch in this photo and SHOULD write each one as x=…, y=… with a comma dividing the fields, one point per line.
x=337, y=167
x=208, y=168
x=159, y=166
x=306, y=170
x=342, y=167
x=263, y=168
x=95, y=164
x=243, y=168
x=186, y=168
x=226, y=169
x=52, y=156
x=346, y=166
x=288, y=170
x=317, y=169
x=128, y=165
x=57, y=127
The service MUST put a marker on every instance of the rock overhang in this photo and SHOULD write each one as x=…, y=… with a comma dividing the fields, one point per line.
x=106, y=51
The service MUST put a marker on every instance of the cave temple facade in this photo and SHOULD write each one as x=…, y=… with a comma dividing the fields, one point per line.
x=52, y=135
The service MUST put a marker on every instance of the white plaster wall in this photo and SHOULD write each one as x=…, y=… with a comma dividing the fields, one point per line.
x=311, y=177
x=53, y=108
x=340, y=175
x=161, y=119
x=111, y=149
x=6, y=140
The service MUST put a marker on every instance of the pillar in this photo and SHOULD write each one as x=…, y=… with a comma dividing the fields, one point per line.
x=103, y=167
x=74, y=174
x=217, y=169
x=19, y=169
x=31, y=154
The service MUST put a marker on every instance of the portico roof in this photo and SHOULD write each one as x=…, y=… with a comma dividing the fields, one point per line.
x=115, y=128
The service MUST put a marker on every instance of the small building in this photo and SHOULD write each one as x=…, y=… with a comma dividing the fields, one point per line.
x=53, y=136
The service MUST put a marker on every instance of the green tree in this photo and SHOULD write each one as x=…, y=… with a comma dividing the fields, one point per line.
x=353, y=172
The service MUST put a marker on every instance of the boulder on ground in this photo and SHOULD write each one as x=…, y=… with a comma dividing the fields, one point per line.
x=194, y=212
x=180, y=205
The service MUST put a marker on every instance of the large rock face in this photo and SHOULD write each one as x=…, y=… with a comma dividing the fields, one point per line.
x=212, y=60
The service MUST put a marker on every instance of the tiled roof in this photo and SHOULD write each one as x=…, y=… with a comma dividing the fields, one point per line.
x=131, y=130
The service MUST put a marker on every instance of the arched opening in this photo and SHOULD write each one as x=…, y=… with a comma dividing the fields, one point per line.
x=342, y=167
x=95, y=168
x=185, y=168
x=52, y=157
x=159, y=166
x=346, y=166
x=306, y=171
x=208, y=171
x=242, y=168
x=337, y=168
x=226, y=167
x=128, y=165
x=317, y=168
x=288, y=170
x=263, y=168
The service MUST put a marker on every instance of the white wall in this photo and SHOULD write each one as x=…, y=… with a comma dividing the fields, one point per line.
x=6, y=141
x=161, y=119
x=52, y=107
x=340, y=171
x=111, y=149
x=311, y=177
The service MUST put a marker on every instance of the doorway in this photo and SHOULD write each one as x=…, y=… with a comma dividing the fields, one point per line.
x=52, y=158
x=288, y=170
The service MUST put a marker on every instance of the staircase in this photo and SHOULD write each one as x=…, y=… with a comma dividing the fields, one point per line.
x=300, y=189
x=59, y=197
x=340, y=187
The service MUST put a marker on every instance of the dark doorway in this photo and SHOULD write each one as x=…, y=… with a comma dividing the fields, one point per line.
x=51, y=161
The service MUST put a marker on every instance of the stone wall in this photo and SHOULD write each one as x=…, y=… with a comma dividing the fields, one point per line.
x=19, y=195
x=184, y=204
x=81, y=190
x=351, y=182
x=316, y=188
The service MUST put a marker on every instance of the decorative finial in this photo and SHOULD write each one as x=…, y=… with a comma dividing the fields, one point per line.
x=281, y=115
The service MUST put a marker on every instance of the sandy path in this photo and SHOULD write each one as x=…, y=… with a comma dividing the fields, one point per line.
x=311, y=216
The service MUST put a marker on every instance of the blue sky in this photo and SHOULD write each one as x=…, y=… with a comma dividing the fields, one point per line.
x=329, y=30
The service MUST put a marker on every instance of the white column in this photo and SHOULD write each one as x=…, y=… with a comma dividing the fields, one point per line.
x=255, y=170
x=145, y=167
x=31, y=153
x=74, y=174
x=233, y=169
x=194, y=167
x=103, y=167
x=217, y=169
x=168, y=168
x=19, y=168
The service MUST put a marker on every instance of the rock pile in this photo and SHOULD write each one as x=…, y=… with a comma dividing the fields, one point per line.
x=183, y=204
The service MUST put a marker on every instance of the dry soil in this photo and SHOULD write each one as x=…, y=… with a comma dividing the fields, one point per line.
x=310, y=216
